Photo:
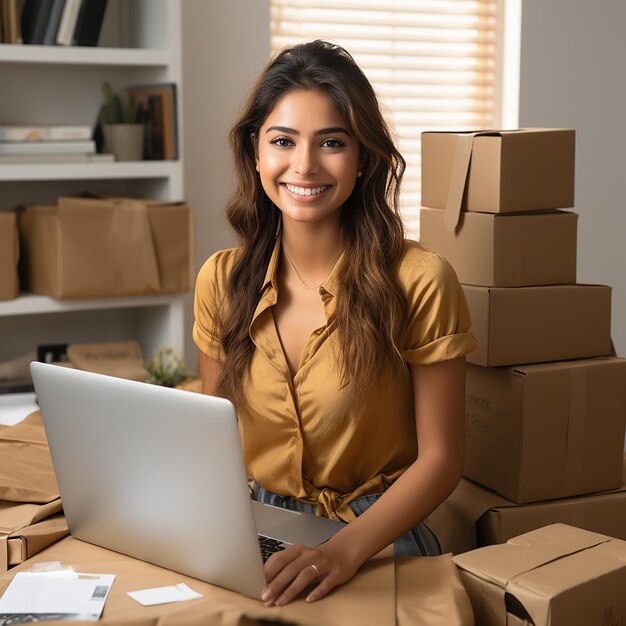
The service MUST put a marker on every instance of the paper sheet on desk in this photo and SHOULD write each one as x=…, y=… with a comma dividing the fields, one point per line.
x=164, y=595
x=65, y=594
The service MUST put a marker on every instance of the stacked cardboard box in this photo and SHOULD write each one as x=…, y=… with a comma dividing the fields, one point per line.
x=546, y=401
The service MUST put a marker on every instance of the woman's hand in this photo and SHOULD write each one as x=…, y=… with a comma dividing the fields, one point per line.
x=291, y=571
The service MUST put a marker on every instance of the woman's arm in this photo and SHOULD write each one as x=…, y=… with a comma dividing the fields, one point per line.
x=439, y=391
x=209, y=374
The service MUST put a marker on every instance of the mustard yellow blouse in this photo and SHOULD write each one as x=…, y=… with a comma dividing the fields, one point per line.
x=303, y=437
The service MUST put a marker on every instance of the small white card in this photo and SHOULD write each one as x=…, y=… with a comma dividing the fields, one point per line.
x=62, y=594
x=162, y=595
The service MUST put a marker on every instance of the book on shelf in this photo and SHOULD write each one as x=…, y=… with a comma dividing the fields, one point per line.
x=89, y=23
x=13, y=132
x=34, y=19
x=54, y=19
x=69, y=16
x=13, y=159
x=157, y=104
x=48, y=147
x=10, y=28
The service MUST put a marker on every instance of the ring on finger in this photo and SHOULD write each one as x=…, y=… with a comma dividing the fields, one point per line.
x=317, y=572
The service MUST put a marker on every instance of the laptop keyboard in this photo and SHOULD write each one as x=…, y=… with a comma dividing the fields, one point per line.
x=269, y=546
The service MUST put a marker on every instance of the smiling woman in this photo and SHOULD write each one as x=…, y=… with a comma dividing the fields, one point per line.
x=307, y=159
x=340, y=343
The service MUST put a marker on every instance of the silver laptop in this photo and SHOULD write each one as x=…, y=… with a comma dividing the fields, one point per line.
x=158, y=474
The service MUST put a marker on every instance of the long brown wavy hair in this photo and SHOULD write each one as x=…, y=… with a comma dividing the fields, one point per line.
x=371, y=309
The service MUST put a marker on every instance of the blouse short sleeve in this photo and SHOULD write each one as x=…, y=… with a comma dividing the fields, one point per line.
x=439, y=319
x=209, y=296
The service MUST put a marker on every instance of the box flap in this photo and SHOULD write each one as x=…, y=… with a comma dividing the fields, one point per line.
x=461, y=164
x=500, y=563
x=458, y=180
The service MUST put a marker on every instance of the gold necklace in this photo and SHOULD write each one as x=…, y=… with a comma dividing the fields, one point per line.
x=300, y=277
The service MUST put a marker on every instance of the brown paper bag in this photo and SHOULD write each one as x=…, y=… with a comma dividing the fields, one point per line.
x=9, y=253
x=173, y=235
x=172, y=229
x=85, y=248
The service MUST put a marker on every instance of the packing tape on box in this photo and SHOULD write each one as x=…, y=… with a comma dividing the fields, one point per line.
x=460, y=169
x=576, y=429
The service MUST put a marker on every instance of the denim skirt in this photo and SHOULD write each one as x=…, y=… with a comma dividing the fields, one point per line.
x=419, y=541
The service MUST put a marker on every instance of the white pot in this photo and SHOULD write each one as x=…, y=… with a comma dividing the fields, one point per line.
x=124, y=141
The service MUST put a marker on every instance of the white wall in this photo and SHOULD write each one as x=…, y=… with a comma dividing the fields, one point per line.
x=225, y=45
x=572, y=75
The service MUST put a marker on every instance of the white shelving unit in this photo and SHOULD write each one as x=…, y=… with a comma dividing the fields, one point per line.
x=140, y=43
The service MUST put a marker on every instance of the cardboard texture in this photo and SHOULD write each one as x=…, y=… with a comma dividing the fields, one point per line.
x=555, y=576
x=537, y=324
x=30, y=506
x=382, y=593
x=498, y=171
x=89, y=247
x=9, y=255
x=505, y=250
x=474, y=516
x=123, y=360
x=545, y=431
x=26, y=472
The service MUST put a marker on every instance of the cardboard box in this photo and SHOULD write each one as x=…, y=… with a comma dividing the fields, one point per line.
x=498, y=171
x=545, y=431
x=505, y=250
x=9, y=254
x=537, y=324
x=88, y=248
x=555, y=576
x=473, y=516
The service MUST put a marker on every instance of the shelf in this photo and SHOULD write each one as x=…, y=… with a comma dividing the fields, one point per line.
x=29, y=304
x=88, y=171
x=83, y=55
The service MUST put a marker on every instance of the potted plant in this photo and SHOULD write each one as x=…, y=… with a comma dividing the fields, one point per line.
x=166, y=368
x=123, y=133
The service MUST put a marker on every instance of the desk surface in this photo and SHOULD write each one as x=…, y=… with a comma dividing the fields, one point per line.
x=408, y=592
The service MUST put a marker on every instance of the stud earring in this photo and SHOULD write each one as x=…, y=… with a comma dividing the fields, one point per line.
x=359, y=174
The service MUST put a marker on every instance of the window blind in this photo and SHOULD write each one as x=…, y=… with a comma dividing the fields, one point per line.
x=434, y=64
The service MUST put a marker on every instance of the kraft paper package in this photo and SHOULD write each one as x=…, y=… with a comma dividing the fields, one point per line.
x=9, y=254
x=558, y=575
x=121, y=359
x=411, y=591
x=30, y=506
x=106, y=247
